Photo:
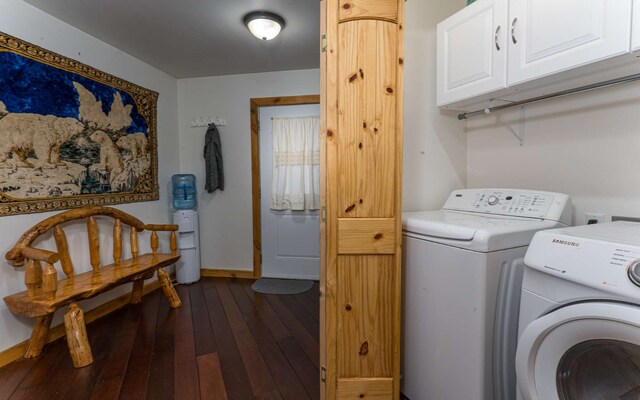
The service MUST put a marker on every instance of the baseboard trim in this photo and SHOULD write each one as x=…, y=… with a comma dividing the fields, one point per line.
x=15, y=352
x=292, y=276
x=227, y=273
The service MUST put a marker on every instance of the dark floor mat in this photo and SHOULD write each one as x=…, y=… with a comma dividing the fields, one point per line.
x=281, y=286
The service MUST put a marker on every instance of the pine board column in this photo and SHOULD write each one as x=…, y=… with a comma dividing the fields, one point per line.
x=361, y=133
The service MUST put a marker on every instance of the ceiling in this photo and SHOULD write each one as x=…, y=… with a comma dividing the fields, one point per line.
x=192, y=38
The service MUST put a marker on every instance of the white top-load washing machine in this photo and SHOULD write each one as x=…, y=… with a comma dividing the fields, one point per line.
x=462, y=274
x=580, y=314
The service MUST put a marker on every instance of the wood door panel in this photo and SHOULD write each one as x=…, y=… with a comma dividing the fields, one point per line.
x=366, y=236
x=365, y=302
x=351, y=90
x=371, y=388
x=361, y=120
x=367, y=119
x=368, y=9
x=385, y=185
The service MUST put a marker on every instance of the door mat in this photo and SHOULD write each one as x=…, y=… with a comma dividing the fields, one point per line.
x=281, y=286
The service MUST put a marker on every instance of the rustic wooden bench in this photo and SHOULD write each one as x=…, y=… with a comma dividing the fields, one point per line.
x=45, y=293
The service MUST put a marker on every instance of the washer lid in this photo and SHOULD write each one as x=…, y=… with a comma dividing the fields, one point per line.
x=472, y=231
x=441, y=224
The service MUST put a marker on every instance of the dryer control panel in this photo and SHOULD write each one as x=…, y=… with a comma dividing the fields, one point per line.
x=512, y=202
x=602, y=256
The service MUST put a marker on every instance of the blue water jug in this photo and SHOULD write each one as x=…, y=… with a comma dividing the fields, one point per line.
x=184, y=192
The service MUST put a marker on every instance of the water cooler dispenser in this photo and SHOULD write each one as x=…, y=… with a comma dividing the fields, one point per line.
x=186, y=217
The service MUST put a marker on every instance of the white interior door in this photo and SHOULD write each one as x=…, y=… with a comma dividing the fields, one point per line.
x=290, y=239
x=549, y=36
x=472, y=51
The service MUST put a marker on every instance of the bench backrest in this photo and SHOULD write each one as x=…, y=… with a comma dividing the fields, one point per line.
x=35, y=277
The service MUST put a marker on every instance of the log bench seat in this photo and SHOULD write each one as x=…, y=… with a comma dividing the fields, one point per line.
x=87, y=285
x=45, y=293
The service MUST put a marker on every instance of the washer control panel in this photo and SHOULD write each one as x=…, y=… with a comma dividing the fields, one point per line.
x=511, y=202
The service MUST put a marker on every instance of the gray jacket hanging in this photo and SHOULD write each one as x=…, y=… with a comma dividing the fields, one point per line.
x=213, y=160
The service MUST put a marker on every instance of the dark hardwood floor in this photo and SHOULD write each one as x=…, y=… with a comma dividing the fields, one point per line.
x=226, y=342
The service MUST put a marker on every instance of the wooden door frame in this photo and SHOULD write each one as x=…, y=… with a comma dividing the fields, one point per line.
x=255, y=105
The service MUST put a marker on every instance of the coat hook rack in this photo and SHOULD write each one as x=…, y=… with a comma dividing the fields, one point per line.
x=206, y=121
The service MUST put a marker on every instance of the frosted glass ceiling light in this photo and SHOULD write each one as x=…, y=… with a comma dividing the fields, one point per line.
x=263, y=24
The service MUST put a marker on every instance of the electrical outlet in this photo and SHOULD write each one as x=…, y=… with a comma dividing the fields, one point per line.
x=593, y=218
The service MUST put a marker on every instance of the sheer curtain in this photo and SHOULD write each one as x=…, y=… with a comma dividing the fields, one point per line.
x=296, y=163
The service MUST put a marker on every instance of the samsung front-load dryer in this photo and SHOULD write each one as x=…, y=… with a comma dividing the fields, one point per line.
x=580, y=314
x=462, y=273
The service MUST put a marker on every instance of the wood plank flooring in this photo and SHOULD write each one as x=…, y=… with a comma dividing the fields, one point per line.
x=226, y=342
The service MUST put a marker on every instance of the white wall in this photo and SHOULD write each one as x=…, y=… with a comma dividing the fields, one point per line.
x=226, y=230
x=434, y=141
x=28, y=23
x=586, y=145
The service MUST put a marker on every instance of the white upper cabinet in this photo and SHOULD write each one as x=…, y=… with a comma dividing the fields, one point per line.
x=472, y=51
x=635, y=25
x=550, y=36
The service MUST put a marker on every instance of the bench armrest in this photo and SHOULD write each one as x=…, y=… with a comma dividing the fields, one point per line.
x=156, y=227
x=40, y=255
x=154, y=237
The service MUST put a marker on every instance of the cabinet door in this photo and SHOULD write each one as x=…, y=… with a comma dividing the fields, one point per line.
x=549, y=36
x=635, y=26
x=472, y=51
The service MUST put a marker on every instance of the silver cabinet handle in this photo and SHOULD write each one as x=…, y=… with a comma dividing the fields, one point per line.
x=496, y=38
x=513, y=30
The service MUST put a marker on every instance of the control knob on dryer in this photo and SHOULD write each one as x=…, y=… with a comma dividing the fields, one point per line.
x=493, y=200
x=634, y=272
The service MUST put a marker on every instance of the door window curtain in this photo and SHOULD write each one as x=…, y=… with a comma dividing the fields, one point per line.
x=296, y=163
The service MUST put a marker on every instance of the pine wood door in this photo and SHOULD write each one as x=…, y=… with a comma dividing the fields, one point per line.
x=361, y=129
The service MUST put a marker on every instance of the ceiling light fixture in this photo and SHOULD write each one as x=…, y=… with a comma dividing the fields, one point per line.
x=264, y=25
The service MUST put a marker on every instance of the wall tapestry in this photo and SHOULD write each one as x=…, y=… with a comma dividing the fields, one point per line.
x=70, y=135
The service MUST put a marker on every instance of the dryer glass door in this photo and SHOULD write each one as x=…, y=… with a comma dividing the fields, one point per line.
x=587, y=351
x=600, y=369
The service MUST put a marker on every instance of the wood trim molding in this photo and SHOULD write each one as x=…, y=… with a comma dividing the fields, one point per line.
x=15, y=352
x=397, y=324
x=227, y=273
x=286, y=100
x=255, y=105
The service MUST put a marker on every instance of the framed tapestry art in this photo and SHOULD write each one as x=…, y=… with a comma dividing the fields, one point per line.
x=70, y=135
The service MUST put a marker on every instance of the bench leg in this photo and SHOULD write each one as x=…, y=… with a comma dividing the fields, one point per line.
x=168, y=289
x=38, y=336
x=77, y=336
x=136, y=292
